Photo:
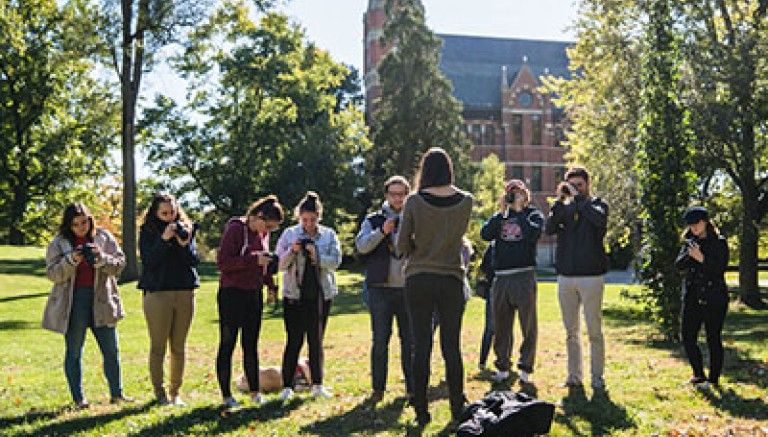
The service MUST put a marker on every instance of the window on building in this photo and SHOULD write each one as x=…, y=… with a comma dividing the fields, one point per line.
x=559, y=175
x=489, y=135
x=536, y=130
x=536, y=179
x=516, y=172
x=559, y=136
x=476, y=134
x=517, y=129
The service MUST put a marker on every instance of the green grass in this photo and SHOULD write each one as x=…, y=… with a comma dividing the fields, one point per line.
x=645, y=375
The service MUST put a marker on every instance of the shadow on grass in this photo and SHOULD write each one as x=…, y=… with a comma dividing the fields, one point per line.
x=30, y=267
x=600, y=411
x=16, y=325
x=726, y=399
x=22, y=296
x=73, y=425
x=365, y=418
x=212, y=419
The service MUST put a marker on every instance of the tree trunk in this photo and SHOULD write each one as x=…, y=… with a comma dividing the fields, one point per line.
x=748, y=278
x=18, y=207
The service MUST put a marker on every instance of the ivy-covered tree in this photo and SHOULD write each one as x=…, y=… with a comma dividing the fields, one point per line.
x=57, y=122
x=268, y=112
x=664, y=167
x=417, y=109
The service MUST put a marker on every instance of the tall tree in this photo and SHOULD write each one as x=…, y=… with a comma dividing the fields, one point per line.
x=417, y=109
x=665, y=167
x=727, y=91
x=56, y=120
x=134, y=32
x=269, y=113
x=602, y=102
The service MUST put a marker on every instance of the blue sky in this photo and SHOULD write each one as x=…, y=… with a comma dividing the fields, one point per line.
x=337, y=26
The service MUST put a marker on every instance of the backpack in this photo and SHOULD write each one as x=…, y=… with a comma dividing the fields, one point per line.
x=506, y=413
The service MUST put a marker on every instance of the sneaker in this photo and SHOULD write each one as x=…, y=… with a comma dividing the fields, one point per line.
x=525, y=377
x=230, y=402
x=120, y=399
x=176, y=401
x=500, y=376
x=82, y=405
x=163, y=400
x=258, y=398
x=286, y=394
x=318, y=391
x=704, y=385
x=481, y=367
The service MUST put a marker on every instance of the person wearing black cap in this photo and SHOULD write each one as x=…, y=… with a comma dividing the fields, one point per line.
x=703, y=258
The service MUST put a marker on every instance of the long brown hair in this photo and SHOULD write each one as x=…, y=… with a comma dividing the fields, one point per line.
x=435, y=169
x=154, y=224
x=268, y=208
x=71, y=211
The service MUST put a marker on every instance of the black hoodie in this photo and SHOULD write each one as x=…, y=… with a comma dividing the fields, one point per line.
x=580, y=227
x=515, y=235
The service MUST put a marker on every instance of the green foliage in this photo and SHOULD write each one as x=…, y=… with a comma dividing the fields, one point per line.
x=267, y=112
x=488, y=187
x=57, y=122
x=602, y=101
x=417, y=109
x=664, y=167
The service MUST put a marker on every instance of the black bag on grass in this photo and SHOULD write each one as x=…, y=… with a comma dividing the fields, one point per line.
x=506, y=413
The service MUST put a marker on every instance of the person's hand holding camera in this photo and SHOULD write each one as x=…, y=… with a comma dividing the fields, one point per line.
x=262, y=258
x=169, y=232
x=389, y=226
x=187, y=231
x=296, y=246
x=565, y=191
x=77, y=255
x=312, y=252
x=694, y=251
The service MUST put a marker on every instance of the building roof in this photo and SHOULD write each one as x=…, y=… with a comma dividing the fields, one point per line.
x=474, y=65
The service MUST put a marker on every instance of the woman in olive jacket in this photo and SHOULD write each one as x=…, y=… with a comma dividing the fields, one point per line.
x=703, y=259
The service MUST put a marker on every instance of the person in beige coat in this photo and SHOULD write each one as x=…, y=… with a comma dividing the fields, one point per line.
x=83, y=262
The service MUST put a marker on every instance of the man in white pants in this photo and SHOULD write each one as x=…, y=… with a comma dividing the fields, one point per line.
x=580, y=222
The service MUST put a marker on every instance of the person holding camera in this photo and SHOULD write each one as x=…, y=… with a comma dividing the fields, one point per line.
x=434, y=222
x=580, y=222
x=703, y=259
x=246, y=265
x=83, y=262
x=514, y=232
x=385, y=282
x=309, y=255
x=168, y=280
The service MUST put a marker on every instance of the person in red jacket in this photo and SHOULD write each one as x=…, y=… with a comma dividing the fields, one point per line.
x=244, y=261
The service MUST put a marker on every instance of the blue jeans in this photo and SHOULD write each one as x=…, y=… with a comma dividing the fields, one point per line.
x=386, y=304
x=80, y=319
x=485, y=345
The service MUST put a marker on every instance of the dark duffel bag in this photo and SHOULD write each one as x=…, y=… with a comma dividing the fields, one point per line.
x=506, y=413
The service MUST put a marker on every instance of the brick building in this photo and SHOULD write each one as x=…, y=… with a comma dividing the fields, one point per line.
x=497, y=80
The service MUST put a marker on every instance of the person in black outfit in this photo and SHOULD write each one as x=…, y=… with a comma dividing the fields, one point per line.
x=703, y=258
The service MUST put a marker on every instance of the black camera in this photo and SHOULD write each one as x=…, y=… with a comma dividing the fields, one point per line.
x=273, y=263
x=691, y=242
x=510, y=197
x=87, y=251
x=182, y=232
x=304, y=242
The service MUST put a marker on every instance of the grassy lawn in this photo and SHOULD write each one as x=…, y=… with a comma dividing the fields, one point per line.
x=645, y=376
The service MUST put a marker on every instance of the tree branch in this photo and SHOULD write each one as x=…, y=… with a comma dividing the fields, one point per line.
x=728, y=23
x=115, y=65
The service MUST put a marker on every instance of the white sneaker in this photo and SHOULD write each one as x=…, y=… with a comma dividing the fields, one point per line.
x=286, y=394
x=176, y=401
x=258, y=398
x=230, y=403
x=704, y=386
x=500, y=376
x=318, y=391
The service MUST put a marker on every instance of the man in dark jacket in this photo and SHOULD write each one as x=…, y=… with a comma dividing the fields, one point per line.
x=580, y=222
x=385, y=281
x=514, y=231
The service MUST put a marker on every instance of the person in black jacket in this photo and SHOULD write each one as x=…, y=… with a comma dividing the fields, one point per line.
x=514, y=231
x=168, y=279
x=703, y=258
x=580, y=223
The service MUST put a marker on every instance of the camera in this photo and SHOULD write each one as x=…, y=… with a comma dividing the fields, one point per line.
x=87, y=251
x=510, y=197
x=273, y=263
x=564, y=190
x=182, y=232
x=304, y=242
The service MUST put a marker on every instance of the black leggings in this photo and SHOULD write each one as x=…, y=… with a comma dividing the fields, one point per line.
x=712, y=315
x=239, y=310
x=304, y=318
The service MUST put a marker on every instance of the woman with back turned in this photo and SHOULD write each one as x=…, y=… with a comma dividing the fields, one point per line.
x=434, y=221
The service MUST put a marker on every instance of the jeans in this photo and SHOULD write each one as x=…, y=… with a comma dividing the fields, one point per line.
x=80, y=319
x=304, y=318
x=239, y=310
x=712, y=315
x=425, y=293
x=485, y=344
x=387, y=304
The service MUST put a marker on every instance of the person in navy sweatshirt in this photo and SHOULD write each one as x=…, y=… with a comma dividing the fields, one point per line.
x=168, y=280
x=246, y=265
x=514, y=231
